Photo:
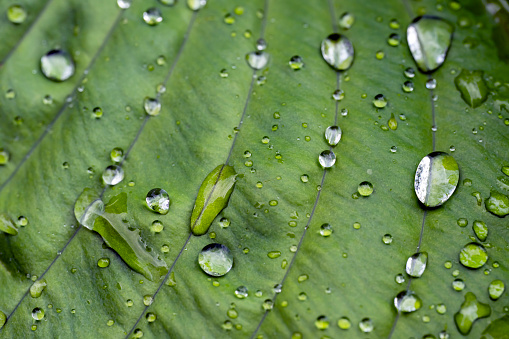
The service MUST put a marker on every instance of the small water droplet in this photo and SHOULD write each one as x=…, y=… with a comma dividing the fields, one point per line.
x=480, y=230
x=304, y=178
x=346, y=20
x=387, y=239
x=366, y=325
x=469, y=312
x=337, y=51
x=257, y=59
x=322, y=322
x=399, y=279
x=124, y=4
x=38, y=314
x=117, y=154
x=431, y=83
x=196, y=5
x=407, y=302
x=416, y=264
x=152, y=16
x=158, y=200
x=338, y=95
x=261, y=44
x=394, y=149
x=215, y=260
x=325, y=230
x=274, y=254
x=394, y=24
x=365, y=188
x=380, y=55
x=57, y=65
x=380, y=101
x=408, y=86
x=473, y=255
x=241, y=292
x=152, y=106
x=344, y=323
x=496, y=289
x=409, y=73
x=296, y=62
x=327, y=159
x=333, y=135
x=458, y=285
x=16, y=14
x=268, y=305
x=148, y=300
x=103, y=262
x=223, y=73
x=112, y=175
x=4, y=157
x=394, y=40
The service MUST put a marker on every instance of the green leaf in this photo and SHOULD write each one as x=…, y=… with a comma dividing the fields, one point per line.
x=212, y=198
x=7, y=225
x=269, y=125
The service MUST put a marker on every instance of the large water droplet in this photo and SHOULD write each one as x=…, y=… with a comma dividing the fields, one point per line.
x=215, y=260
x=57, y=65
x=338, y=52
x=112, y=175
x=365, y=188
x=7, y=225
x=152, y=16
x=473, y=255
x=429, y=39
x=470, y=311
x=416, y=264
x=496, y=289
x=158, y=200
x=497, y=204
x=257, y=59
x=472, y=87
x=333, y=135
x=407, y=302
x=37, y=288
x=196, y=5
x=16, y=14
x=327, y=159
x=436, y=178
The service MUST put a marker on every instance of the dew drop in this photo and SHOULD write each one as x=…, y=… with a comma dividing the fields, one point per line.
x=399, y=279
x=57, y=65
x=103, y=262
x=344, y=323
x=325, y=230
x=157, y=226
x=215, y=259
x=322, y=322
x=327, y=159
x=16, y=14
x=196, y=5
x=148, y=300
x=380, y=101
x=257, y=59
x=458, y=285
x=366, y=325
x=37, y=314
x=296, y=63
x=274, y=254
x=151, y=317
x=152, y=106
x=394, y=40
x=333, y=135
x=409, y=73
x=152, y=16
x=337, y=51
x=416, y=264
x=496, y=289
x=365, y=188
x=338, y=95
x=268, y=305
x=407, y=302
x=436, y=178
x=497, y=204
x=346, y=20
x=112, y=175
x=304, y=178
x=472, y=87
x=37, y=288
x=158, y=200
x=473, y=255
x=480, y=230
x=470, y=311
x=431, y=83
x=223, y=73
x=124, y=4
x=117, y=154
x=387, y=239
x=392, y=123
x=241, y=292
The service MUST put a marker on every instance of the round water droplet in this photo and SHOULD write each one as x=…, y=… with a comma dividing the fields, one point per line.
x=387, y=239
x=16, y=14
x=304, y=178
x=416, y=264
x=325, y=230
x=57, y=65
x=278, y=288
x=333, y=135
x=241, y=292
x=380, y=101
x=497, y=204
x=37, y=288
x=158, y=200
x=458, y=285
x=37, y=314
x=215, y=260
x=436, y=178
x=338, y=52
x=196, y=5
x=399, y=279
x=408, y=86
x=148, y=300
x=431, y=83
x=473, y=255
x=157, y=226
x=103, y=262
x=338, y=95
x=496, y=289
x=151, y=317
x=268, y=305
x=257, y=59
x=322, y=322
x=344, y=323
x=366, y=325
x=152, y=16
x=124, y=4
x=407, y=302
x=296, y=62
x=117, y=154
x=229, y=19
x=346, y=20
x=327, y=159
x=394, y=40
x=261, y=44
x=112, y=175
x=409, y=73
x=152, y=106
x=365, y=188
x=223, y=73
x=4, y=157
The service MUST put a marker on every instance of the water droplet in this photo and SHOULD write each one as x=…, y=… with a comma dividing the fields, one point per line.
x=392, y=123
x=344, y=323
x=261, y=44
x=117, y=154
x=394, y=149
x=394, y=40
x=325, y=230
x=497, y=204
x=112, y=175
x=274, y=254
x=37, y=288
x=338, y=95
x=229, y=19
x=304, y=178
x=380, y=55
x=327, y=159
x=268, y=305
x=215, y=260
x=431, y=83
x=409, y=73
x=380, y=101
x=338, y=52
x=480, y=230
x=429, y=38
x=473, y=255
x=241, y=292
x=37, y=314
x=441, y=309
x=257, y=59
x=387, y=239
x=124, y=4
x=148, y=300
x=103, y=262
x=158, y=200
x=152, y=106
x=366, y=325
x=322, y=322
x=302, y=278
x=394, y=24
x=470, y=311
x=333, y=135
x=296, y=62
x=407, y=302
x=57, y=65
x=152, y=16
x=472, y=87
x=400, y=278
x=416, y=264
x=462, y=222
x=365, y=188
x=17, y=15
x=4, y=157
x=196, y=5
x=346, y=20
x=436, y=178
x=157, y=226
x=278, y=288
x=223, y=73
x=496, y=289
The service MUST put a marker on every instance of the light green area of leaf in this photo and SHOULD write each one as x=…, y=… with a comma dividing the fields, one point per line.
x=212, y=198
x=350, y=273
x=7, y=225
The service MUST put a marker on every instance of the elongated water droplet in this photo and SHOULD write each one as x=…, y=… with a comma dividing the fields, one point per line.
x=103, y=262
x=57, y=65
x=215, y=260
x=497, y=204
x=429, y=39
x=472, y=87
x=436, y=178
x=480, y=230
x=407, y=302
x=158, y=200
x=338, y=52
x=257, y=59
x=327, y=159
x=296, y=62
x=416, y=264
x=473, y=255
x=7, y=225
x=346, y=20
x=333, y=135
x=16, y=14
x=152, y=106
x=496, y=289
x=37, y=288
x=112, y=175
x=87, y=208
x=196, y=5
x=498, y=329
x=470, y=311
x=152, y=16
